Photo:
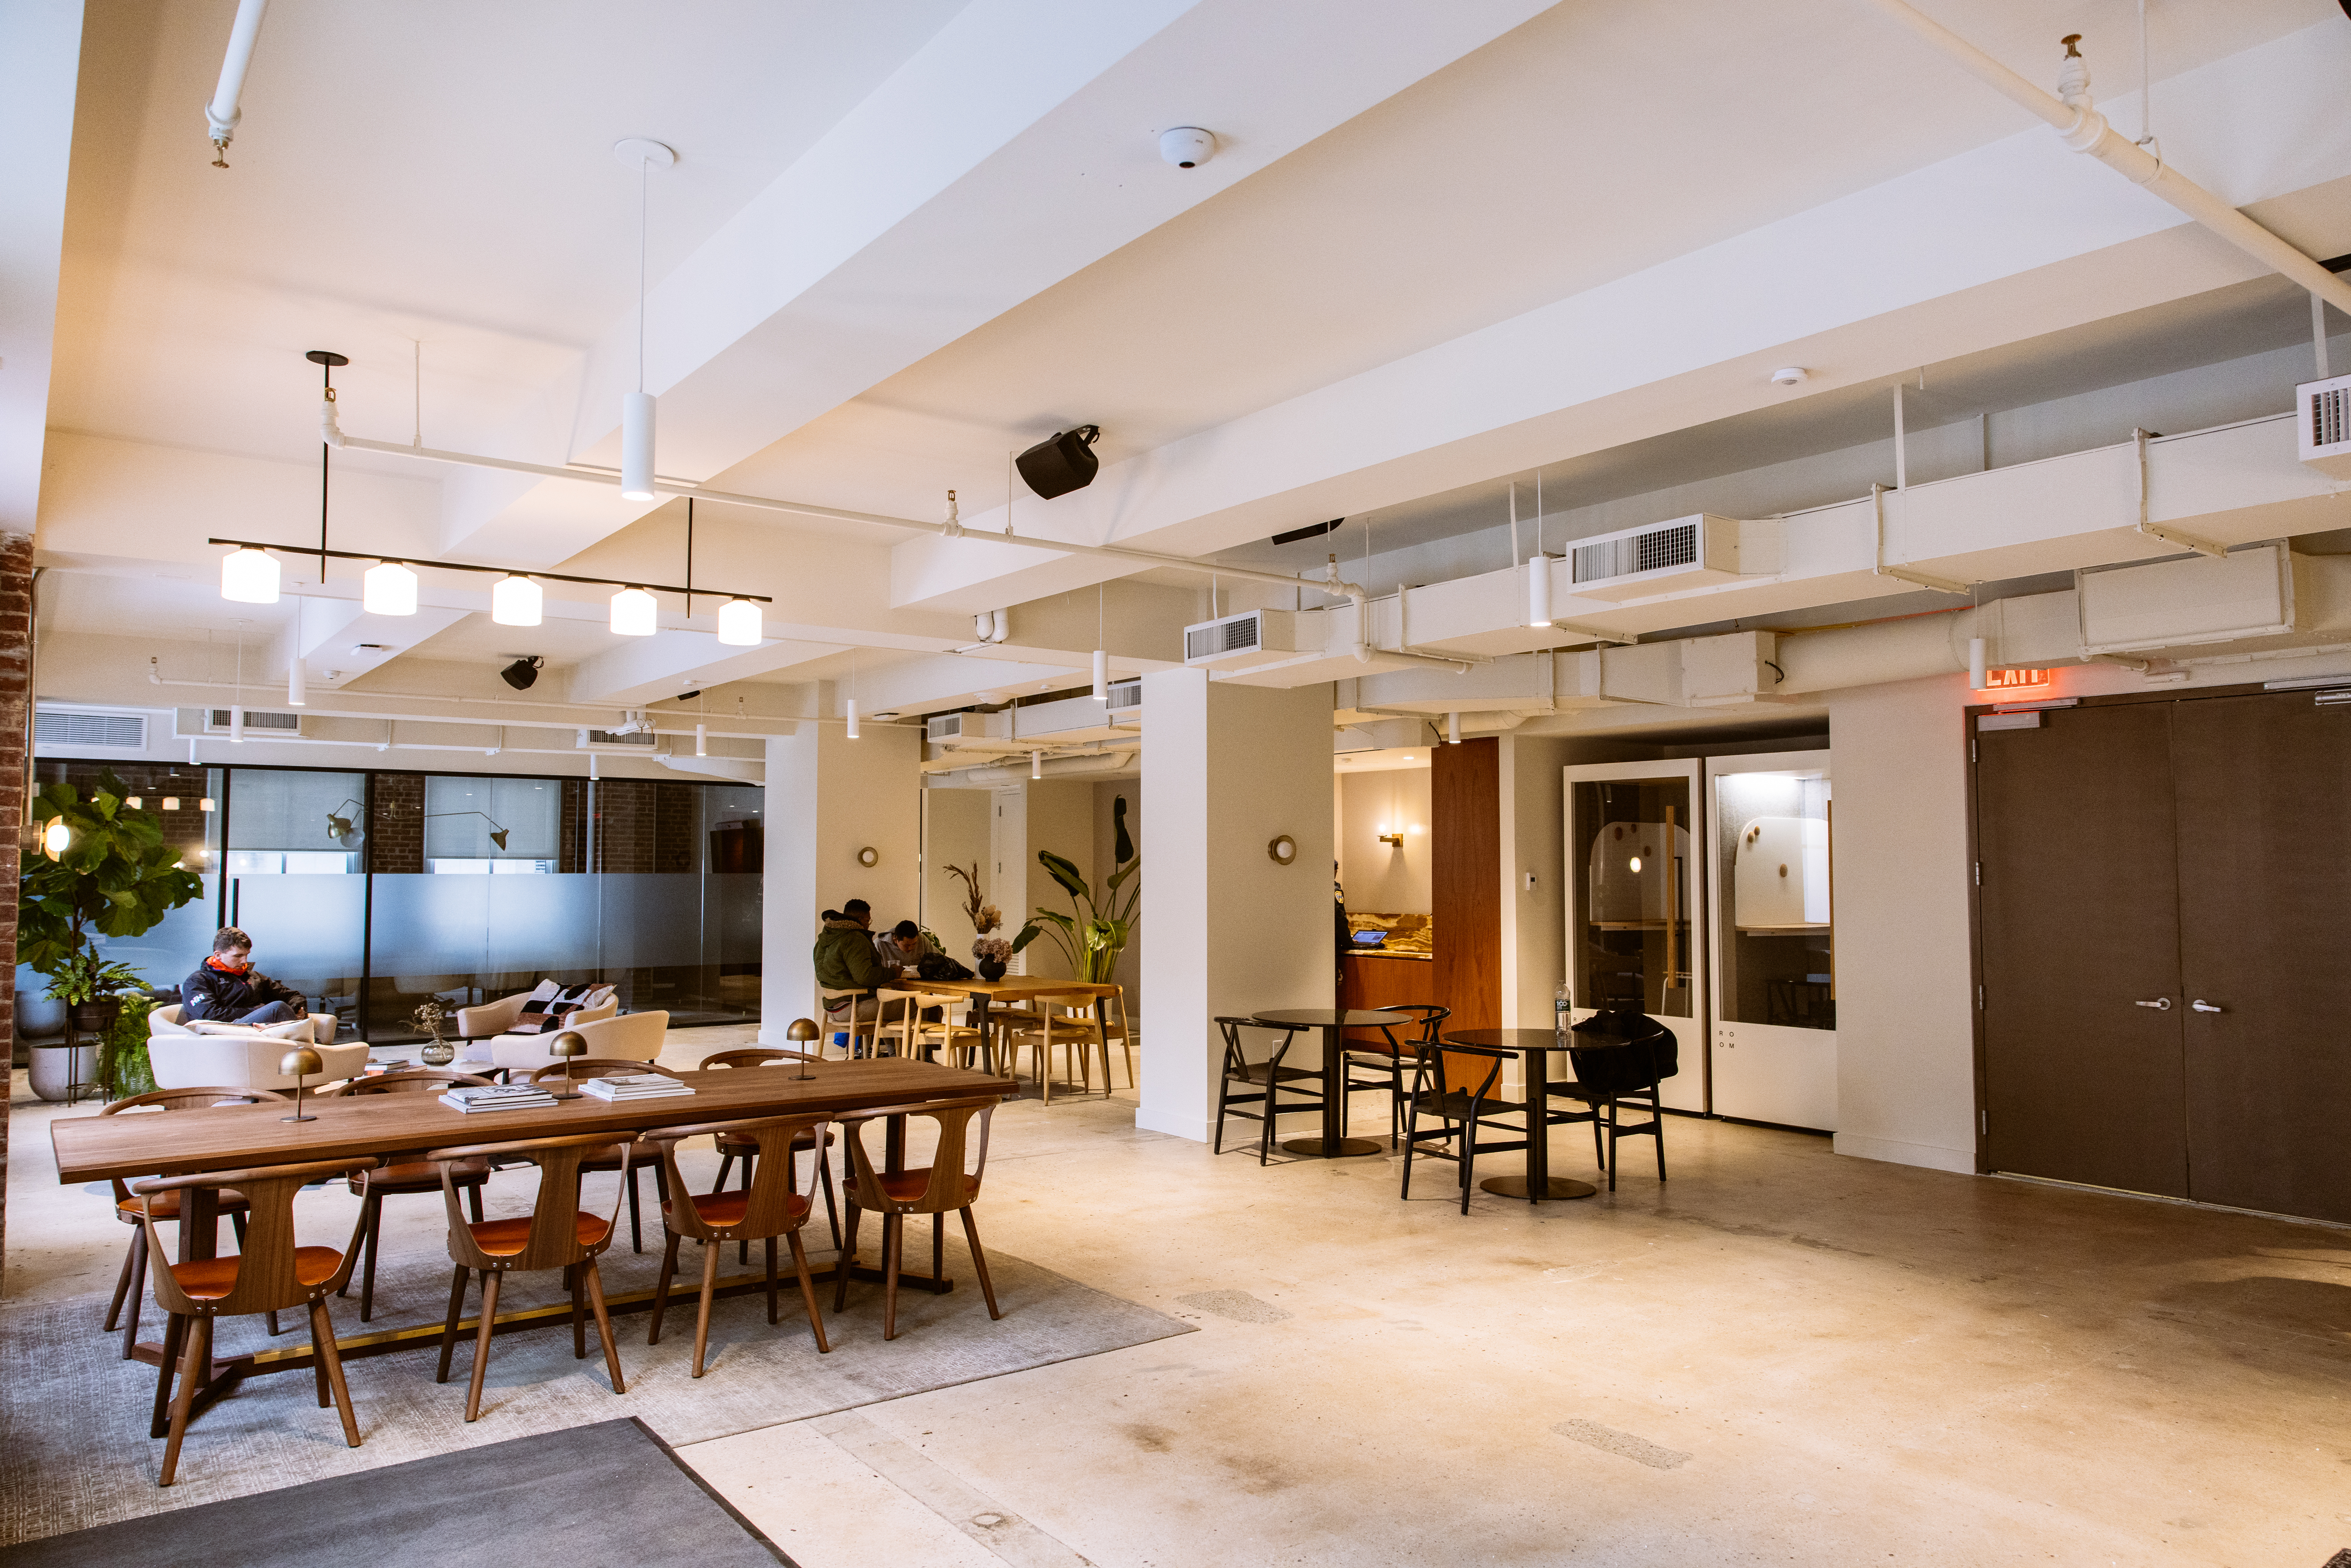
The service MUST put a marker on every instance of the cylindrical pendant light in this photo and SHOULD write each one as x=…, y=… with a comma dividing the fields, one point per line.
x=387, y=588
x=1977, y=674
x=637, y=445
x=1101, y=675
x=850, y=706
x=1452, y=729
x=205, y=804
x=702, y=740
x=516, y=601
x=635, y=613
x=236, y=724
x=740, y=623
x=1539, y=590
x=1036, y=765
x=249, y=577
x=298, y=684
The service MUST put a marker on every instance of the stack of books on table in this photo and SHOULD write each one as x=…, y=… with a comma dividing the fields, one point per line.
x=634, y=1086
x=471, y=1097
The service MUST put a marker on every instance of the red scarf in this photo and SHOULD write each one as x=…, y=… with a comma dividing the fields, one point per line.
x=214, y=963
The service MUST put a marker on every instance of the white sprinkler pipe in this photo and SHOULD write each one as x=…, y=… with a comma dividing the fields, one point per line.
x=222, y=114
x=2085, y=130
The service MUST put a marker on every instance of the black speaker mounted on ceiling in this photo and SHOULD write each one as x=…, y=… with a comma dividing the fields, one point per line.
x=1062, y=464
x=521, y=672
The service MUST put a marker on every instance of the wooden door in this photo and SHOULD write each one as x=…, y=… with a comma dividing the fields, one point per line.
x=2264, y=856
x=1466, y=881
x=2079, y=912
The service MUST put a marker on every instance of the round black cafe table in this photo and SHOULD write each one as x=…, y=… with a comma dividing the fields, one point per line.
x=1533, y=1047
x=1334, y=1141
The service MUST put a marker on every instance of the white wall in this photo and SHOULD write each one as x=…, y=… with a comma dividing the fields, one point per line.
x=827, y=797
x=954, y=832
x=1906, y=1036
x=1060, y=817
x=1382, y=879
x=1228, y=768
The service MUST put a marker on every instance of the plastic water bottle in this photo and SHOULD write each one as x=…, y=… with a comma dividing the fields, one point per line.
x=1561, y=1002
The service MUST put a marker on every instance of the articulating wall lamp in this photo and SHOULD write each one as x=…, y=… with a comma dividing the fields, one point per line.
x=497, y=834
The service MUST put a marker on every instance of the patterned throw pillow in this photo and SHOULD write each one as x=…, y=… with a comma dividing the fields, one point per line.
x=549, y=1013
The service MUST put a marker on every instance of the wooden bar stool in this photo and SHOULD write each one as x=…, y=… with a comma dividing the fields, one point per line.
x=732, y=1146
x=555, y=1234
x=268, y=1275
x=131, y=1284
x=934, y=1190
x=766, y=1207
x=397, y=1178
x=612, y=1156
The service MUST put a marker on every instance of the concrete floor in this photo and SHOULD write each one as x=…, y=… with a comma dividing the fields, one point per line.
x=1780, y=1355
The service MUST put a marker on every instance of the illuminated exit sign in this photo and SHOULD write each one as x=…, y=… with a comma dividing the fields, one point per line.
x=2014, y=680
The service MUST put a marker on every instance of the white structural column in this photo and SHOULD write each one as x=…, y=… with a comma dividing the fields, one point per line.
x=828, y=798
x=1226, y=929
x=1906, y=1028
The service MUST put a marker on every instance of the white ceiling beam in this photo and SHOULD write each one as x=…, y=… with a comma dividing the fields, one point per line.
x=1013, y=150
x=2008, y=242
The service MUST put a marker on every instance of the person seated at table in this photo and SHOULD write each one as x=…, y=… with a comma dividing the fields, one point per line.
x=901, y=951
x=227, y=988
x=847, y=960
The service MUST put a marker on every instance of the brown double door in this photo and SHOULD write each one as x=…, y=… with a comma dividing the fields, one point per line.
x=2165, y=933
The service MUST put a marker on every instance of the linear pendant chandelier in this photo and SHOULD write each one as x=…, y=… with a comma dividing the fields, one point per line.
x=250, y=573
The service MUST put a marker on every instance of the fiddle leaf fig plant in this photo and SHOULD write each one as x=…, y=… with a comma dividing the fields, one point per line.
x=1095, y=933
x=112, y=876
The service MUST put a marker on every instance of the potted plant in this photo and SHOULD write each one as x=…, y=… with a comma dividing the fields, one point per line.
x=103, y=871
x=1096, y=934
x=990, y=952
x=429, y=1016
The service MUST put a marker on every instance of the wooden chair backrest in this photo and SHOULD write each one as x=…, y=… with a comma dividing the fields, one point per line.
x=590, y=1066
x=416, y=1081
x=265, y=1267
x=184, y=1100
x=753, y=1056
x=768, y=1213
x=554, y=1242
x=945, y=1191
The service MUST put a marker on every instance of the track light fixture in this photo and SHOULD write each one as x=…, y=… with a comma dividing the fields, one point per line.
x=516, y=601
x=1063, y=462
x=523, y=674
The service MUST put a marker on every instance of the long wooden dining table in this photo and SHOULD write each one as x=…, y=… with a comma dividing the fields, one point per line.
x=379, y=1126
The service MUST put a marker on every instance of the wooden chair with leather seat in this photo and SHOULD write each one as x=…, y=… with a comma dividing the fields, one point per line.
x=766, y=1207
x=1262, y=1084
x=733, y=1147
x=557, y=1234
x=131, y=1284
x=269, y=1274
x=934, y=1190
x=614, y=1157
x=398, y=1177
x=1387, y=1059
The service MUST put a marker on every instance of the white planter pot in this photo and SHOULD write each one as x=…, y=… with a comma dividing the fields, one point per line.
x=56, y=1068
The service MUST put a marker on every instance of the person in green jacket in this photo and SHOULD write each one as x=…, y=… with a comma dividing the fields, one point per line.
x=846, y=961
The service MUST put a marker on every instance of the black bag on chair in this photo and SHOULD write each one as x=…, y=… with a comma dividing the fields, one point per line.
x=1653, y=1057
x=935, y=966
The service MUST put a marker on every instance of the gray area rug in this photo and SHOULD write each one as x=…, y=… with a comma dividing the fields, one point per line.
x=77, y=1451
x=569, y=1490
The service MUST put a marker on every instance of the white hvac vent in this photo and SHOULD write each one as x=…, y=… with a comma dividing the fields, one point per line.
x=943, y=726
x=1689, y=552
x=256, y=722
x=2322, y=435
x=1240, y=642
x=85, y=729
x=635, y=740
x=1126, y=694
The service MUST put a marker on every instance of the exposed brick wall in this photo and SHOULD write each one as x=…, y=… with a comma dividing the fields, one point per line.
x=677, y=818
x=16, y=725
x=624, y=824
x=396, y=824
x=572, y=839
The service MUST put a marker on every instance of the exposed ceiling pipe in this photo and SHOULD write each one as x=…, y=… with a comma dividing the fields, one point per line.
x=1051, y=768
x=223, y=112
x=2085, y=130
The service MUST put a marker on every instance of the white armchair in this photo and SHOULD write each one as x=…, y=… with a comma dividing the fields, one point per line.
x=183, y=1057
x=496, y=1017
x=634, y=1037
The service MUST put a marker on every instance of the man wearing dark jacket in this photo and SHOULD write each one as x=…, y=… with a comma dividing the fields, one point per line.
x=227, y=988
x=846, y=961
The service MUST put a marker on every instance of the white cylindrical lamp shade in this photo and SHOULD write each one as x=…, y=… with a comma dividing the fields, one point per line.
x=850, y=708
x=1037, y=770
x=1539, y=590
x=635, y=613
x=297, y=683
x=1101, y=675
x=387, y=588
x=516, y=602
x=249, y=577
x=1452, y=729
x=702, y=740
x=1977, y=674
x=740, y=623
x=637, y=445
x=236, y=724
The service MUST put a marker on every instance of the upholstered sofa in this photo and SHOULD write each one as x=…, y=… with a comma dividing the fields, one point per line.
x=636, y=1037
x=186, y=1056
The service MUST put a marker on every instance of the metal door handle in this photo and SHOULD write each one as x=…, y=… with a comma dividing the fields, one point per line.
x=2160, y=1004
x=2201, y=1006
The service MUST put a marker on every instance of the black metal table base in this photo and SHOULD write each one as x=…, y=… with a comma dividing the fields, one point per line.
x=1557, y=1186
x=1326, y=1148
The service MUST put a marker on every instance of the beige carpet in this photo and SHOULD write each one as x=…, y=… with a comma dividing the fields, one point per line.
x=78, y=1453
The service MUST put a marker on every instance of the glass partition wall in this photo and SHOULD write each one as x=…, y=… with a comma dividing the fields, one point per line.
x=370, y=893
x=1773, y=1048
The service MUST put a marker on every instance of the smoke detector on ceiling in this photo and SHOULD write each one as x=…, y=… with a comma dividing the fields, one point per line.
x=1789, y=376
x=1186, y=146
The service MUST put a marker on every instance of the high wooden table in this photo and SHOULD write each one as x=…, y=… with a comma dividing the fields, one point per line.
x=987, y=995
x=1533, y=1047
x=373, y=1126
x=1334, y=1142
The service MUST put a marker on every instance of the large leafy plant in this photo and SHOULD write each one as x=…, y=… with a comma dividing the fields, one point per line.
x=1096, y=932
x=115, y=877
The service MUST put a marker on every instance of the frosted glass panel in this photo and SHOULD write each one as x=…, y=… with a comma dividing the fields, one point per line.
x=308, y=932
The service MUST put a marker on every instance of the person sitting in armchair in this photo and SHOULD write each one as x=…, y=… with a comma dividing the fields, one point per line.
x=227, y=988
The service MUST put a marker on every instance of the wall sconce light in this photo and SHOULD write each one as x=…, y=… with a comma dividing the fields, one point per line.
x=1396, y=838
x=1283, y=850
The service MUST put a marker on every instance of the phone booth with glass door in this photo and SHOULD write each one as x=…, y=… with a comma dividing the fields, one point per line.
x=1772, y=1041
